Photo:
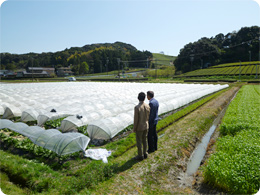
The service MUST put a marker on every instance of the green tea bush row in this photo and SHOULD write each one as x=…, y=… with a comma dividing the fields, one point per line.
x=235, y=165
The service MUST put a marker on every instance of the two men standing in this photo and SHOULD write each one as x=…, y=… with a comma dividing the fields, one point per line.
x=145, y=121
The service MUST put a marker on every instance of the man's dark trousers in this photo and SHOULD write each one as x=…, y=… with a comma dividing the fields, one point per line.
x=152, y=138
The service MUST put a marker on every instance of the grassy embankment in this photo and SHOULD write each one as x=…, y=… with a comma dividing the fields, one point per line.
x=235, y=165
x=162, y=59
x=78, y=174
x=162, y=67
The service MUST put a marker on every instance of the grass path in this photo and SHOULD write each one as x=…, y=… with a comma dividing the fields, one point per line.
x=159, y=173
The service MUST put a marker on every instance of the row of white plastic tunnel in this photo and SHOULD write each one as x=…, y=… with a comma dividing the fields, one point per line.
x=107, y=108
x=52, y=139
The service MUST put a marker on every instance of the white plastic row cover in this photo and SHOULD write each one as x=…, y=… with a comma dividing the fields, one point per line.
x=52, y=139
x=98, y=105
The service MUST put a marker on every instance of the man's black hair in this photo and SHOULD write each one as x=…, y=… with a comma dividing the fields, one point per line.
x=150, y=93
x=141, y=96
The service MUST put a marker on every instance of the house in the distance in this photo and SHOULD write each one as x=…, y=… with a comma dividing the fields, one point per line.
x=64, y=71
x=7, y=74
x=36, y=72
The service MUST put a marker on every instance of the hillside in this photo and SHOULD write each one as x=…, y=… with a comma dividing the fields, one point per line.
x=162, y=59
x=94, y=58
x=229, y=69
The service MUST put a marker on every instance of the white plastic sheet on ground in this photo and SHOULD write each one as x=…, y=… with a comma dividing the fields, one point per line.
x=106, y=108
x=98, y=154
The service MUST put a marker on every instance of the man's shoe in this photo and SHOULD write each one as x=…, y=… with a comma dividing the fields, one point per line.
x=139, y=158
x=145, y=156
x=150, y=151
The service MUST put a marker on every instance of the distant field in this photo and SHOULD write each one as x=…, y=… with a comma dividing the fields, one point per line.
x=163, y=59
x=231, y=69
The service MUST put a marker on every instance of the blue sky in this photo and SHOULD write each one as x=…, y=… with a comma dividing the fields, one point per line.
x=153, y=25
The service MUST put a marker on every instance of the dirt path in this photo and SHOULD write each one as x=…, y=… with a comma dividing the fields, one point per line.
x=160, y=173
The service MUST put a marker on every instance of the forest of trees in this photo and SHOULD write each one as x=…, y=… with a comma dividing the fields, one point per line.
x=93, y=58
x=232, y=47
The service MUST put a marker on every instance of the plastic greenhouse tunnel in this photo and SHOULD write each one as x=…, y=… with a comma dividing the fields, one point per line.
x=52, y=139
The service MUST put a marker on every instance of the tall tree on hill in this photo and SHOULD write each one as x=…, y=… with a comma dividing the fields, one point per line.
x=84, y=68
x=232, y=47
x=196, y=55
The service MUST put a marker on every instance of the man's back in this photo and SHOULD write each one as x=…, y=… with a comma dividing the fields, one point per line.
x=141, y=117
x=154, y=105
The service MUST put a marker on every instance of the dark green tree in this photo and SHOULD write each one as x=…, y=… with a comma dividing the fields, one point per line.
x=84, y=68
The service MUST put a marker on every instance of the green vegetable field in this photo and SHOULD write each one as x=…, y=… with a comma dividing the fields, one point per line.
x=231, y=69
x=235, y=167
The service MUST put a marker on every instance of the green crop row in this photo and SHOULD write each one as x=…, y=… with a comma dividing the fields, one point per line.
x=243, y=113
x=235, y=70
x=235, y=165
x=237, y=64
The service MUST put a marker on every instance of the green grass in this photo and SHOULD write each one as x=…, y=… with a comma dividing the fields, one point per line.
x=10, y=188
x=162, y=72
x=163, y=59
x=235, y=165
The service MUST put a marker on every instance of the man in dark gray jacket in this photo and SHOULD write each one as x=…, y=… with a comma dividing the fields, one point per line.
x=153, y=120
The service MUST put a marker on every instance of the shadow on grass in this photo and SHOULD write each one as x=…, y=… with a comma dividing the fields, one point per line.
x=127, y=165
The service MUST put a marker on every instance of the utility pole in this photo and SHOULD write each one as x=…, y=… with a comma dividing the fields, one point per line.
x=155, y=68
x=240, y=71
x=256, y=70
x=107, y=65
x=125, y=65
x=191, y=60
x=256, y=66
x=32, y=69
x=122, y=69
x=118, y=61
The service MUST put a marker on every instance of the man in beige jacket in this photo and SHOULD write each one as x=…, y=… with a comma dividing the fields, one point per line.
x=141, y=126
